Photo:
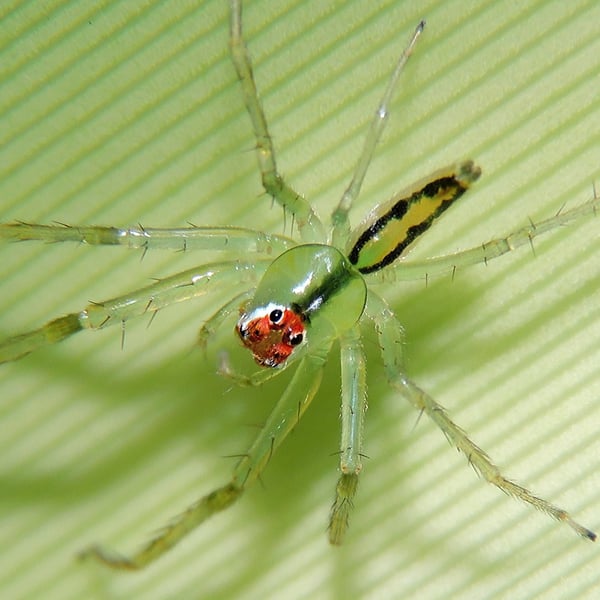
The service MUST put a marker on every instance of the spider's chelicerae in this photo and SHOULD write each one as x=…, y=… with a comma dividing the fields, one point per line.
x=317, y=291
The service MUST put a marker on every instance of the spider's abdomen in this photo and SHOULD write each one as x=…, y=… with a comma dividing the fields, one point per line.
x=309, y=292
x=392, y=227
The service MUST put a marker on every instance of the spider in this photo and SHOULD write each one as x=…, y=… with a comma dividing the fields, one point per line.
x=314, y=293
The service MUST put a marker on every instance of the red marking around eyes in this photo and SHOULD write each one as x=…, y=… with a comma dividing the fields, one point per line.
x=271, y=343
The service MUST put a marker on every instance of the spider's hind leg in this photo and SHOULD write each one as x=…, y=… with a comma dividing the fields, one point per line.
x=339, y=218
x=484, y=253
x=309, y=225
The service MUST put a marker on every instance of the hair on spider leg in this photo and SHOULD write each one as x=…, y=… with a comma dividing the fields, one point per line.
x=152, y=316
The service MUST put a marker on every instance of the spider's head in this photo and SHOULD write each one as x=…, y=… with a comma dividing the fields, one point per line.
x=271, y=333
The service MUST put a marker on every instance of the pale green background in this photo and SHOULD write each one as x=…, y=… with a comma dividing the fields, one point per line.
x=125, y=112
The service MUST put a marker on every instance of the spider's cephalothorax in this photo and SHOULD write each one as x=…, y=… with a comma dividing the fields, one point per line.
x=295, y=307
x=271, y=332
x=308, y=294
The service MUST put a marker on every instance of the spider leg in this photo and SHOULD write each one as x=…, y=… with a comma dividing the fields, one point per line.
x=256, y=379
x=354, y=407
x=191, y=283
x=390, y=336
x=214, y=322
x=231, y=239
x=284, y=417
x=339, y=218
x=309, y=225
x=403, y=270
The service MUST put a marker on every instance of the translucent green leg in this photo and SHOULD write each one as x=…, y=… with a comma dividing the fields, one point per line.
x=282, y=420
x=390, y=336
x=354, y=407
x=339, y=218
x=407, y=269
x=257, y=378
x=214, y=323
x=309, y=225
x=192, y=283
x=231, y=239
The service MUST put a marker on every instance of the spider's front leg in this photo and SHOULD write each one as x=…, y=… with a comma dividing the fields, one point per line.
x=390, y=336
x=188, y=284
x=354, y=406
x=284, y=417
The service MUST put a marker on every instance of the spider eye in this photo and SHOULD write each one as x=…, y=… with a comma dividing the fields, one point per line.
x=296, y=339
x=275, y=316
